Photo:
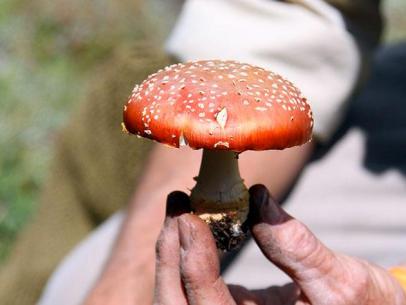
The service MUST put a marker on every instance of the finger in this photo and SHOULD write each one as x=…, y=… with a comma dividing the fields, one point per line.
x=200, y=268
x=168, y=287
x=243, y=296
x=287, y=242
x=286, y=294
x=275, y=295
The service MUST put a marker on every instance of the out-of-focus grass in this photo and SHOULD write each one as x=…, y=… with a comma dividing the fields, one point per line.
x=37, y=89
x=47, y=50
x=395, y=12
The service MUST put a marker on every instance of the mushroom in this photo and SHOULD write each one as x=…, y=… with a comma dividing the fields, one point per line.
x=225, y=108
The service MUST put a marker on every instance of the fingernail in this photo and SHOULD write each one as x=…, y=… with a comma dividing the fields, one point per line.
x=263, y=208
x=177, y=204
x=185, y=234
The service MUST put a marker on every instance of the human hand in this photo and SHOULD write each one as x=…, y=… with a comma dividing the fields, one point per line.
x=188, y=267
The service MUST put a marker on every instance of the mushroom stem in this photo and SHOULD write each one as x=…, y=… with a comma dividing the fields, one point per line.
x=220, y=192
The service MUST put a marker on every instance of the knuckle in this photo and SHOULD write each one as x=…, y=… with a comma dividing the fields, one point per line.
x=164, y=243
x=159, y=244
x=291, y=241
x=190, y=269
x=353, y=287
x=359, y=279
x=297, y=241
x=198, y=271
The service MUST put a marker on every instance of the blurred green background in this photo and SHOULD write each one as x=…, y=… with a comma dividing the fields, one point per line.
x=48, y=50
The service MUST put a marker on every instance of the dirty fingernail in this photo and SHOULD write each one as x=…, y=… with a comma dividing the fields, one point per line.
x=177, y=204
x=263, y=208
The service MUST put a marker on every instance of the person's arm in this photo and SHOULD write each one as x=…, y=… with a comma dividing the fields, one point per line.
x=320, y=275
x=59, y=223
x=128, y=277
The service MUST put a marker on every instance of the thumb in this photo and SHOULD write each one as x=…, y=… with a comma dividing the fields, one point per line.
x=287, y=242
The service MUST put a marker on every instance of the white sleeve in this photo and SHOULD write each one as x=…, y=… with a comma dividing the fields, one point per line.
x=78, y=272
x=305, y=42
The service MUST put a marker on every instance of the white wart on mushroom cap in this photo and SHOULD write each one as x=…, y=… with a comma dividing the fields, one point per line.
x=219, y=105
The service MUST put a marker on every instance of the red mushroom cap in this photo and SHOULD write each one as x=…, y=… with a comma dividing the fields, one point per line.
x=219, y=105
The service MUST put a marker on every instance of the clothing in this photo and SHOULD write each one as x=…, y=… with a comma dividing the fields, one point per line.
x=93, y=174
x=84, y=186
x=308, y=44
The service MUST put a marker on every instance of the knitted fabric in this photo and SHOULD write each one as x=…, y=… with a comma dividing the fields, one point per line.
x=93, y=174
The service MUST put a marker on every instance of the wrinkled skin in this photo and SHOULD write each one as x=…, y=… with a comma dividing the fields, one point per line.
x=188, y=266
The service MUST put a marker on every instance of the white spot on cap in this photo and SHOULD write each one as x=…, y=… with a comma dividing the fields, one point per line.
x=221, y=117
x=221, y=143
x=123, y=128
x=182, y=140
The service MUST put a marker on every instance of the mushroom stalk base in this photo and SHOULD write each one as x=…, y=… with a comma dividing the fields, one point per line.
x=220, y=197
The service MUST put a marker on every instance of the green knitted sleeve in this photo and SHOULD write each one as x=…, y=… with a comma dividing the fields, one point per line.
x=94, y=172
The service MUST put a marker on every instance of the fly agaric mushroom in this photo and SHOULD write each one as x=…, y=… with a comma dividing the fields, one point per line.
x=224, y=107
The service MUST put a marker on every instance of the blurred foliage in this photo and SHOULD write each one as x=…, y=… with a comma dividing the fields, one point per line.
x=47, y=51
x=34, y=100
x=395, y=13
x=48, y=48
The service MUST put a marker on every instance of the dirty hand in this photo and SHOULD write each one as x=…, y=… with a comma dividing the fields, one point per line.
x=188, y=266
